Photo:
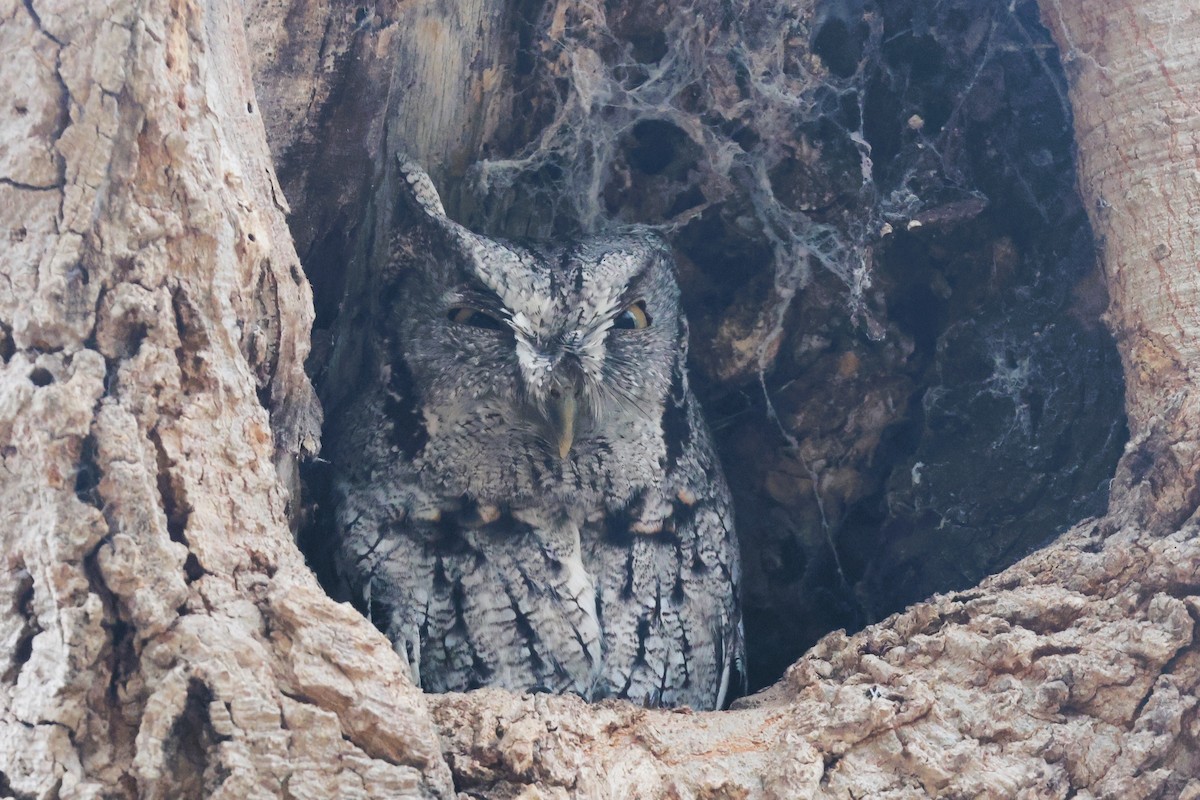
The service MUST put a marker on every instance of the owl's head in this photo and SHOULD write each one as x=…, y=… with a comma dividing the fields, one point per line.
x=556, y=347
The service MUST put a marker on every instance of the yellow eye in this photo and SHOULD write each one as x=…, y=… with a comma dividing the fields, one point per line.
x=465, y=315
x=633, y=318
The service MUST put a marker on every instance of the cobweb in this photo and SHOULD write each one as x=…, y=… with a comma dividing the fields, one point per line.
x=733, y=92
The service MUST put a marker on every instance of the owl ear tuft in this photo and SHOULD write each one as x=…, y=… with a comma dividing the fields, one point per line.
x=419, y=188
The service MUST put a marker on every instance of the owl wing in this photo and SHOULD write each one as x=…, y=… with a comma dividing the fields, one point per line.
x=470, y=595
x=493, y=605
x=667, y=572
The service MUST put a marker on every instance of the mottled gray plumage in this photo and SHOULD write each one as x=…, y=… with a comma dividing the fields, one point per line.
x=527, y=493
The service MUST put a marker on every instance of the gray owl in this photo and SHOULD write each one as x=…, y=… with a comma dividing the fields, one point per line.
x=527, y=494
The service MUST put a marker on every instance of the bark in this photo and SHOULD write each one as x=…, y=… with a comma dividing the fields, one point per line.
x=164, y=637
x=1072, y=672
x=1134, y=92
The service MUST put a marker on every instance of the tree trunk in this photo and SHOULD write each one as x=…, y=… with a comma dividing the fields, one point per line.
x=1134, y=92
x=164, y=637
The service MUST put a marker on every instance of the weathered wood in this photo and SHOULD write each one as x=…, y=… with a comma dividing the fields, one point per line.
x=163, y=635
x=1134, y=71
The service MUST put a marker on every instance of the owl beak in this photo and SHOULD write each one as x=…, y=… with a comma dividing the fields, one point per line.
x=563, y=412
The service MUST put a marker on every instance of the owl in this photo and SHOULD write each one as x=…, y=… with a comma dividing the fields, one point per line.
x=527, y=495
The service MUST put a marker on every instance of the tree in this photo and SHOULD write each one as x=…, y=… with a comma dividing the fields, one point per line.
x=164, y=636
x=161, y=637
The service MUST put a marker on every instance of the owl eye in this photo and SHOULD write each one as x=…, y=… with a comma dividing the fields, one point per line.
x=633, y=318
x=465, y=315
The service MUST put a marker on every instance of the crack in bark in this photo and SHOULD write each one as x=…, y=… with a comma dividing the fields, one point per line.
x=349, y=737
x=23, y=648
x=61, y=122
x=89, y=474
x=37, y=21
x=191, y=754
x=31, y=187
x=193, y=344
x=171, y=491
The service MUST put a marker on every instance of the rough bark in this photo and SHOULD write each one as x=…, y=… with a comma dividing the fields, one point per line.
x=163, y=635
x=1072, y=672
